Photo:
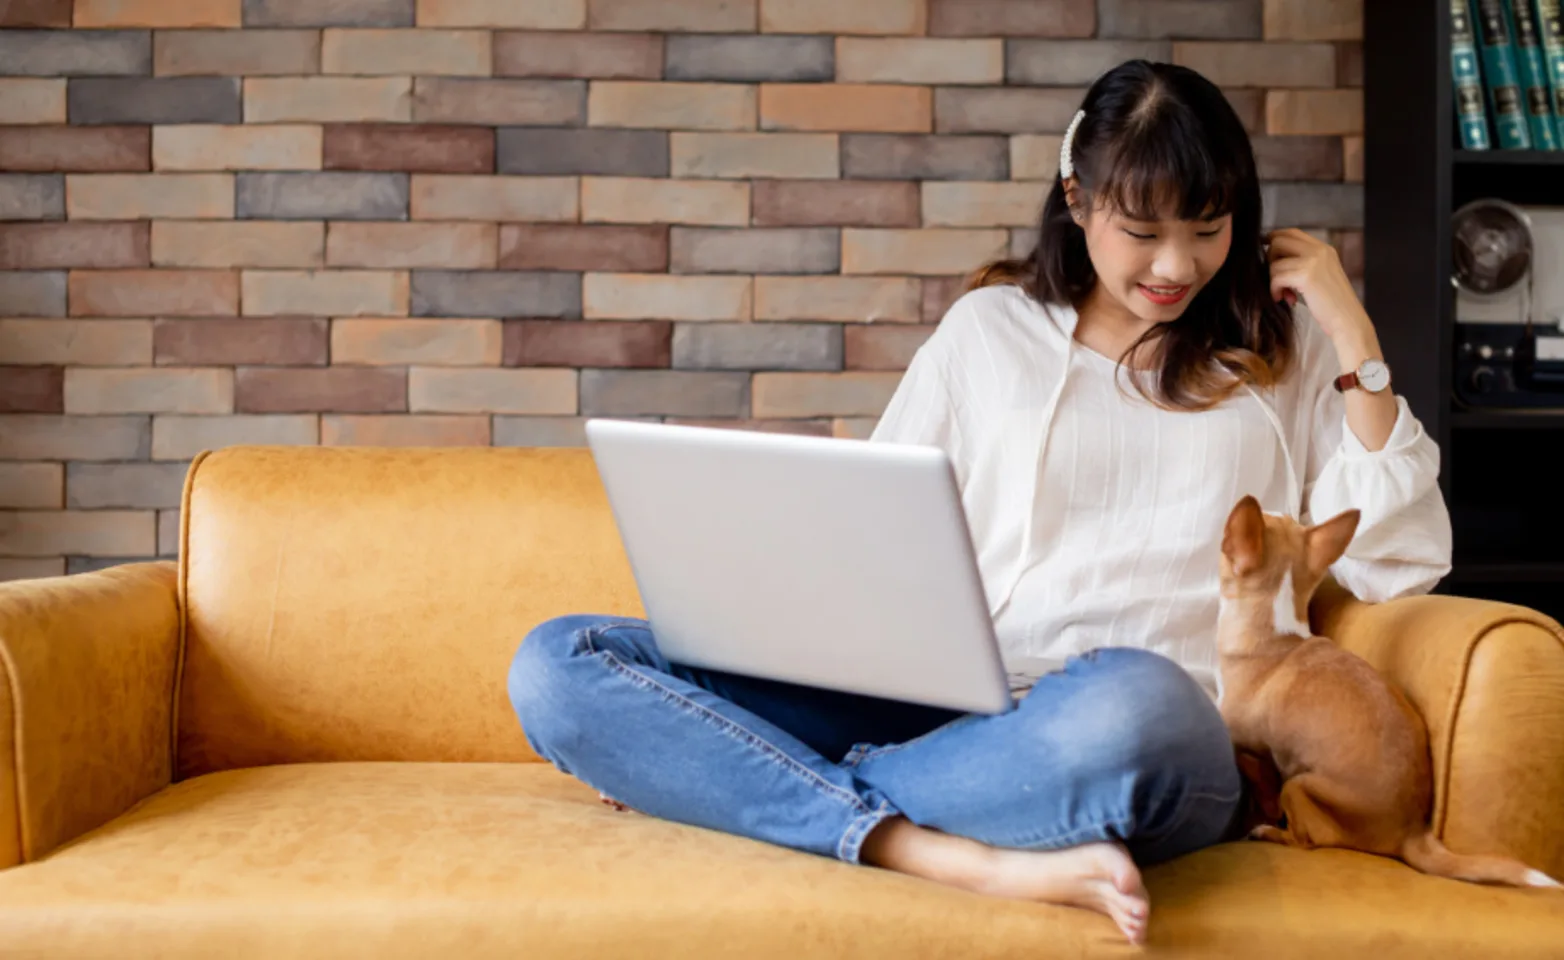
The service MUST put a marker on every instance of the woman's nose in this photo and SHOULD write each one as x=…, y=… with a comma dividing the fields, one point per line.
x=1174, y=264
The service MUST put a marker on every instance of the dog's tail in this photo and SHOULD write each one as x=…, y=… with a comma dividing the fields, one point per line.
x=1424, y=852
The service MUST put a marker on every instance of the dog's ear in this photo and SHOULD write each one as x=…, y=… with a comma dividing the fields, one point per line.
x=1324, y=543
x=1243, y=539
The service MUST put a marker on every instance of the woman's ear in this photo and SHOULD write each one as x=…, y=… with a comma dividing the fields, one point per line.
x=1072, y=199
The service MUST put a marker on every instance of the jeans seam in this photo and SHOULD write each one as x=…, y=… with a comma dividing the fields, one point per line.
x=728, y=726
x=856, y=756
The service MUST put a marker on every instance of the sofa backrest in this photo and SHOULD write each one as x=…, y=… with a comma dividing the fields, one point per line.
x=364, y=603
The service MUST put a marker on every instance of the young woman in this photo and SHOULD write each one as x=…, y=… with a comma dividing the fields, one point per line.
x=1105, y=403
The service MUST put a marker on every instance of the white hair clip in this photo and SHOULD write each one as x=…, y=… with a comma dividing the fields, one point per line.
x=1066, y=165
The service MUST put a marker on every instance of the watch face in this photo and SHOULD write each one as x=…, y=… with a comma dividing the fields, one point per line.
x=1374, y=376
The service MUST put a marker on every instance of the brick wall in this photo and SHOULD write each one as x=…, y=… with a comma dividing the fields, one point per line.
x=480, y=221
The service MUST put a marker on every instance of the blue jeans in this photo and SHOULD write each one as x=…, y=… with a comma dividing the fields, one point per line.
x=1121, y=744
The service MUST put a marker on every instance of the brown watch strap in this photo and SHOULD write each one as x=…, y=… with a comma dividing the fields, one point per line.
x=1346, y=381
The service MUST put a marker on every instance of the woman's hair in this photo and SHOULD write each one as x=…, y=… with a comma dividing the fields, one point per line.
x=1161, y=141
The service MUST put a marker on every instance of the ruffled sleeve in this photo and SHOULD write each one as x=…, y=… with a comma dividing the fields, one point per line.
x=1403, y=542
x=925, y=410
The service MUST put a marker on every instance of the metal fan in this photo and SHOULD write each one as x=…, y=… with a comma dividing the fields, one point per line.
x=1492, y=252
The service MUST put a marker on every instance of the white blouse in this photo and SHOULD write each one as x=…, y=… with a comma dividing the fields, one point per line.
x=1097, y=516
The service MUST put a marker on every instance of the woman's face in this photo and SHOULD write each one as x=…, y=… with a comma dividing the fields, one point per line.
x=1154, y=268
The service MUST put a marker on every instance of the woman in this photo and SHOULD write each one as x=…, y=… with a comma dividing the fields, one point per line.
x=1105, y=402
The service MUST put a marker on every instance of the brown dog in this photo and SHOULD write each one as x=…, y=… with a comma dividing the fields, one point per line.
x=1351, y=750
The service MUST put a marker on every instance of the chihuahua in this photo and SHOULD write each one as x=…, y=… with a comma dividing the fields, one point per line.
x=1350, y=749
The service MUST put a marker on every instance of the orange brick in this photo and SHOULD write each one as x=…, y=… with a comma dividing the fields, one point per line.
x=1324, y=112
x=847, y=107
x=919, y=60
x=325, y=293
x=32, y=100
x=93, y=533
x=1352, y=158
x=102, y=390
x=237, y=243
x=177, y=437
x=409, y=245
x=149, y=196
x=255, y=147
x=652, y=296
x=479, y=390
x=822, y=394
x=853, y=428
x=442, y=53
x=835, y=16
x=1260, y=64
x=881, y=346
x=956, y=204
x=650, y=200
x=1313, y=19
x=842, y=299
x=91, y=343
x=929, y=252
x=680, y=106
x=327, y=99
x=437, y=342
x=157, y=13
x=531, y=15
x=529, y=199
x=32, y=486
x=404, y=430
x=154, y=293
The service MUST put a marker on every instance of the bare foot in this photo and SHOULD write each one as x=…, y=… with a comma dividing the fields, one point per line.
x=1095, y=876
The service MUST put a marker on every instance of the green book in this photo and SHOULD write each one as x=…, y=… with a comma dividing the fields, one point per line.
x=1550, y=29
x=1534, y=75
x=1470, y=115
x=1501, y=75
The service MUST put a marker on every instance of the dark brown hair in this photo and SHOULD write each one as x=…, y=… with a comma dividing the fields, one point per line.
x=1160, y=139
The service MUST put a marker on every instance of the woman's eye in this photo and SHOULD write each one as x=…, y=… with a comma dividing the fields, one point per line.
x=1213, y=233
x=1141, y=236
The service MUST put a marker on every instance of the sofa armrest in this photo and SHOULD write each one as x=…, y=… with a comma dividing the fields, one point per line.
x=87, y=672
x=1489, y=680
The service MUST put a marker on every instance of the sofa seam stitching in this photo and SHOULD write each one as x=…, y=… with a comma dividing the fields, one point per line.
x=14, y=691
x=182, y=599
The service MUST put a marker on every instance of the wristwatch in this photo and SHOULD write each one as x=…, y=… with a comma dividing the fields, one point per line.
x=1371, y=375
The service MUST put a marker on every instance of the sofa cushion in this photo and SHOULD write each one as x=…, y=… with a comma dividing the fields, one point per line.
x=364, y=604
x=518, y=860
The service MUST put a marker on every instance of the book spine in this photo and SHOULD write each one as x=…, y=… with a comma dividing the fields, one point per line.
x=1470, y=115
x=1501, y=74
x=1534, y=75
x=1550, y=29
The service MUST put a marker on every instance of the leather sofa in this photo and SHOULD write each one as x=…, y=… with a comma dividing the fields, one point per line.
x=297, y=743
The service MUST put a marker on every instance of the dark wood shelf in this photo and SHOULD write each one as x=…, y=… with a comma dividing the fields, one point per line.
x=1510, y=419
x=1526, y=158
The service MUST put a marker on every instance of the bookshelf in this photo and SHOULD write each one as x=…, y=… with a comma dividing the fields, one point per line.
x=1502, y=472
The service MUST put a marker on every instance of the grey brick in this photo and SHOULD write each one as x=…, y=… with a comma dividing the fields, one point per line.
x=328, y=13
x=1023, y=240
x=159, y=100
x=514, y=431
x=32, y=196
x=757, y=346
x=1005, y=110
x=75, y=565
x=322, y=196
x=1181, y=19
x=675, y=393
x=125, y=485
x=501, y=293
x=32, y=293
x=1312, y=205
x=31, y=436
x=67, y=53
x=562, y=150
x=749, y=58
x=1067, y=62
x=755, y=250
x=882, y=156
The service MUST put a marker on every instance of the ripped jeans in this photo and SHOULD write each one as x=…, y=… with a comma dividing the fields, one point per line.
x=1121, y=745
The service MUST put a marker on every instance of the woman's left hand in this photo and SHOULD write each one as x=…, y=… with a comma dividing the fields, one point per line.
x=1305, y=268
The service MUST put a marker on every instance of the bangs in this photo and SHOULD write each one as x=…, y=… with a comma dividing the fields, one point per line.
x=1164, y=170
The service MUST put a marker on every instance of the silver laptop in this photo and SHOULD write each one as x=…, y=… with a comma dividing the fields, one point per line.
x=834, y=563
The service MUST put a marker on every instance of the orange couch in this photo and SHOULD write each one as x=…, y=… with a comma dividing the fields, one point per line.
x=297, y=743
